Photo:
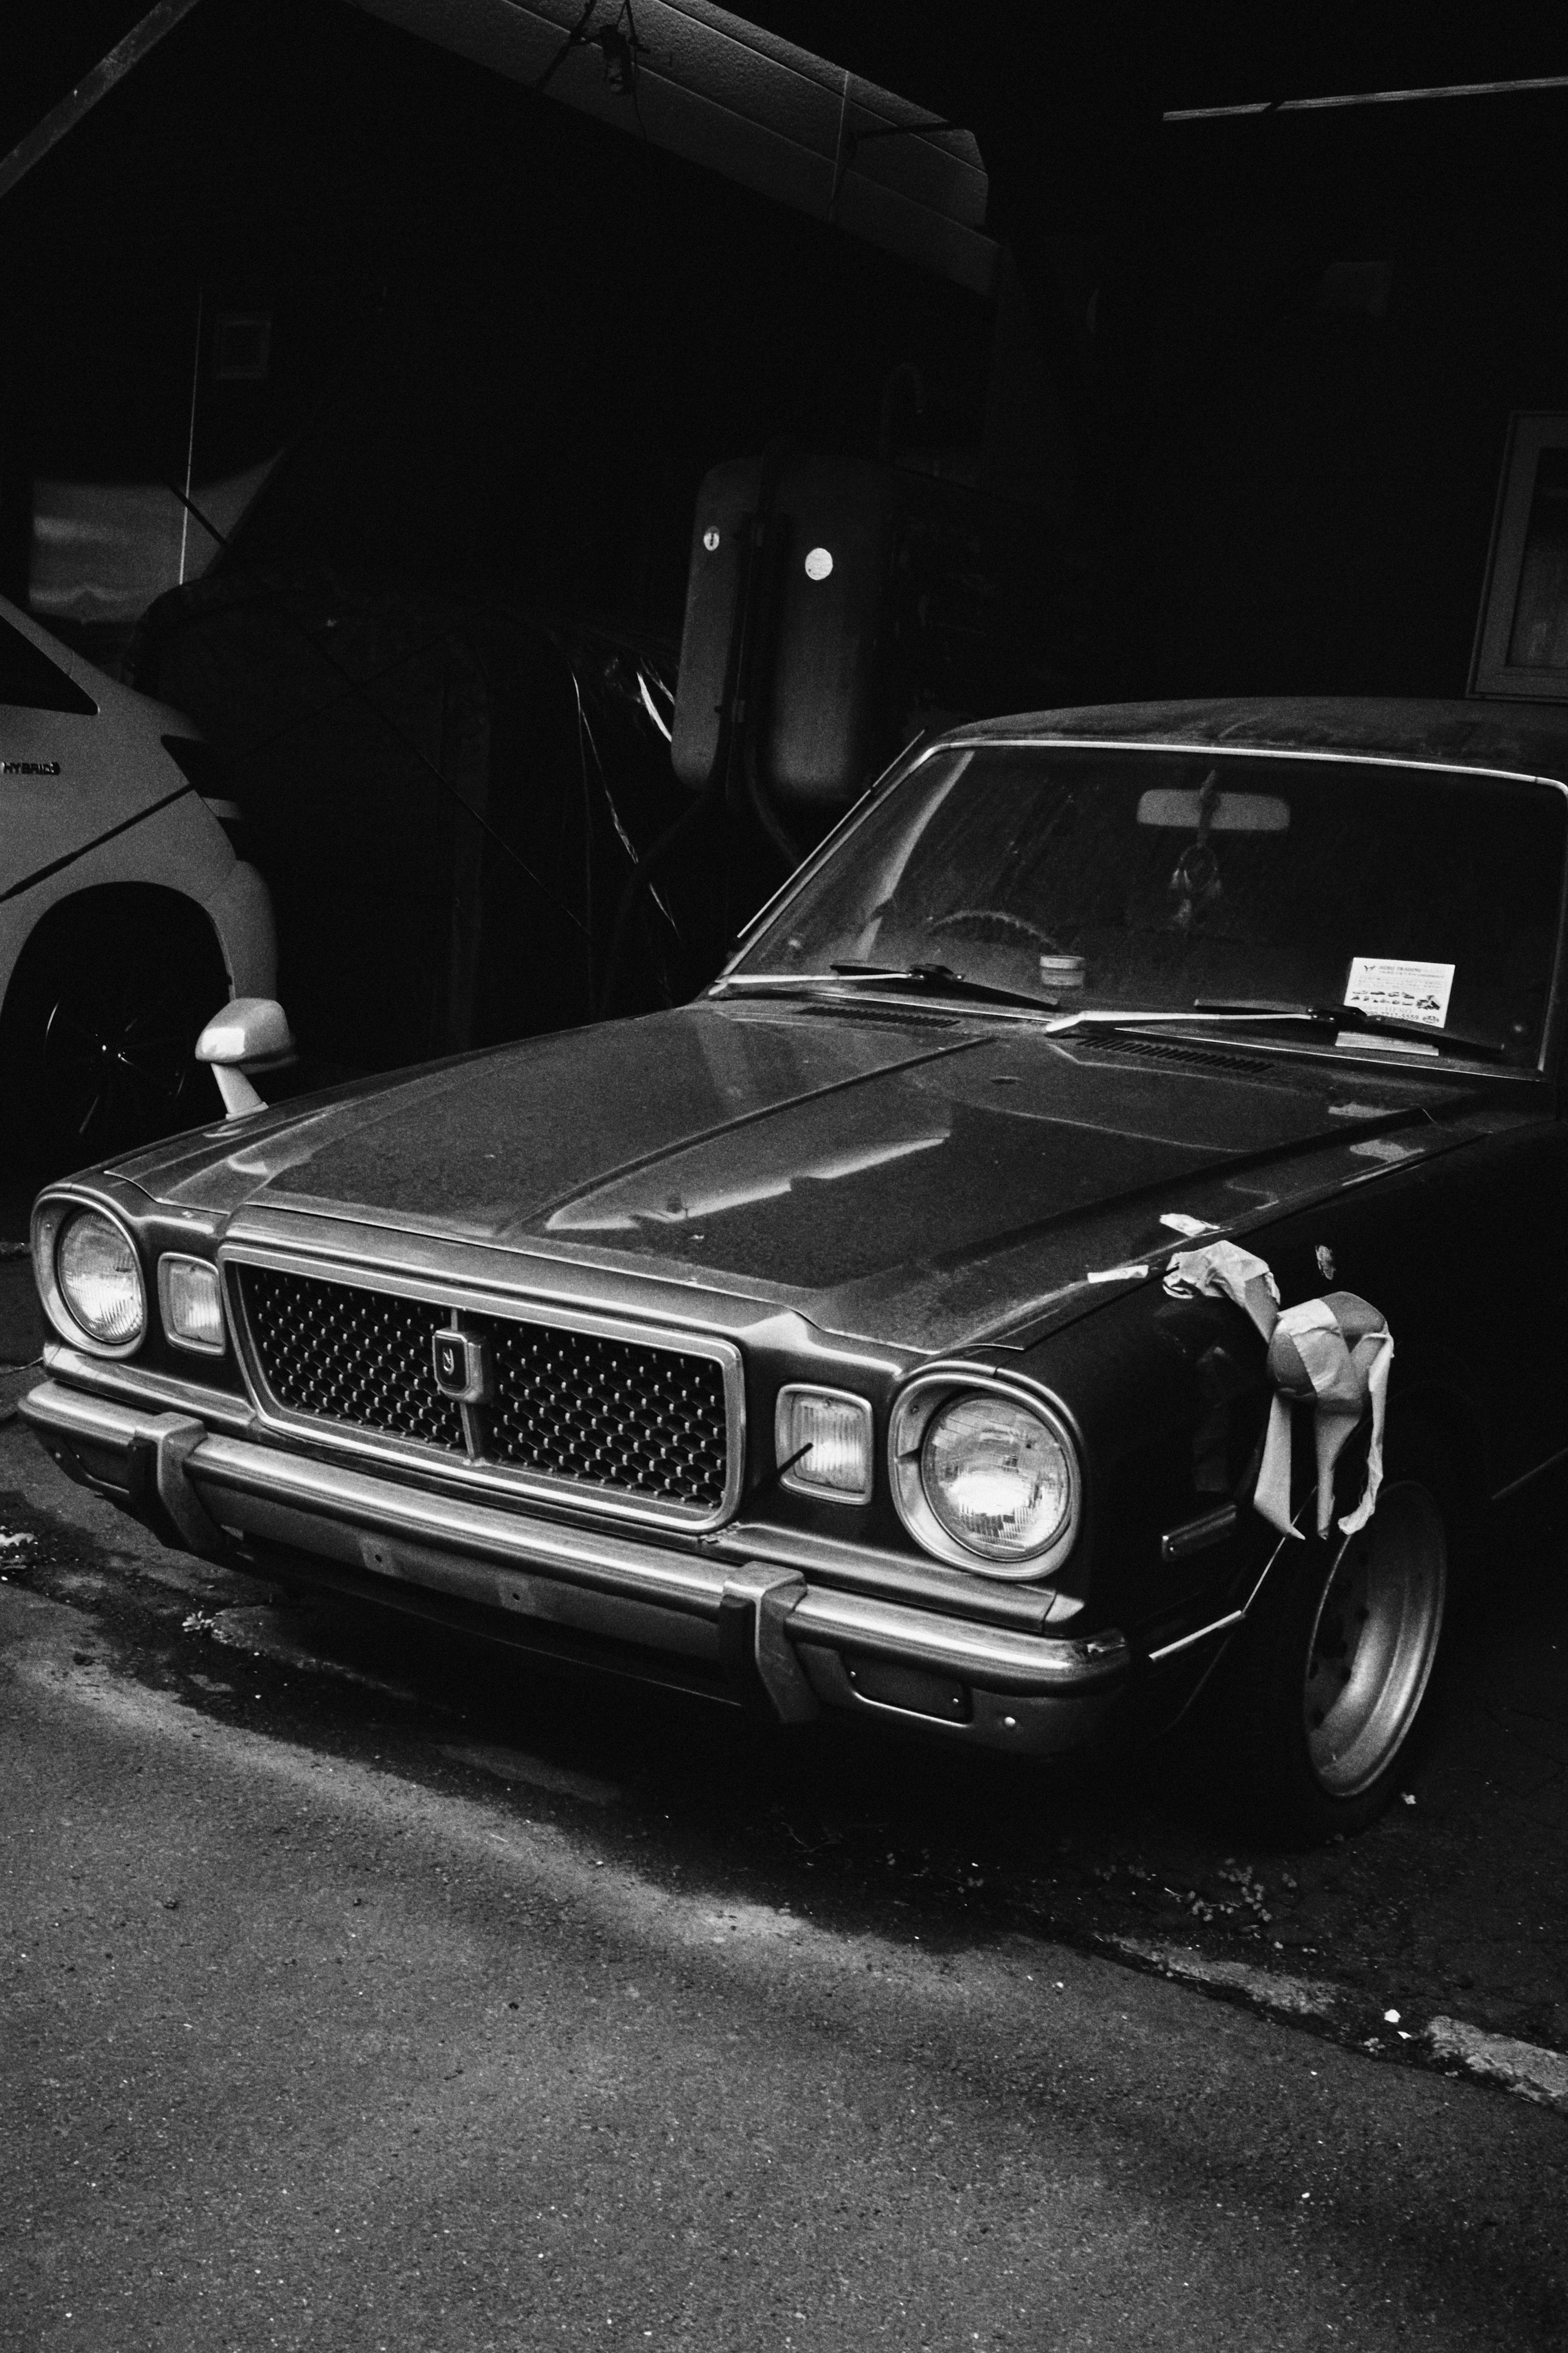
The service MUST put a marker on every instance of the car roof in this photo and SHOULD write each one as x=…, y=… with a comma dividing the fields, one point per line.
x=1530, y=739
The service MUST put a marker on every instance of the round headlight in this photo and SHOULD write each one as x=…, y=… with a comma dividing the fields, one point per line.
x=982, y=1475
x=99, y=1280
x=997, y=1478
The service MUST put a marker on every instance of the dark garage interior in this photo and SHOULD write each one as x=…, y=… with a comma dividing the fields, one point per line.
x=1213, y=401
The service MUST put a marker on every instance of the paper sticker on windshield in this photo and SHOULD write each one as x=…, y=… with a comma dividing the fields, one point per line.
x=1401, y=989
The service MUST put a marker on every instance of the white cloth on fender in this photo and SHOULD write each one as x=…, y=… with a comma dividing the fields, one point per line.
x=1226, y=1270
x=1336, y=1351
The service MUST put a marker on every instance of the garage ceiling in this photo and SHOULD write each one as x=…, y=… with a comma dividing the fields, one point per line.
x=727, y=94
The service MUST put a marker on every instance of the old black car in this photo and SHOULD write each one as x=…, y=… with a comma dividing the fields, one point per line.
x=897, y=1328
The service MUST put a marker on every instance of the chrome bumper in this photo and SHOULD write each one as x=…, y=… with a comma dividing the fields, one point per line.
x=803, y=1644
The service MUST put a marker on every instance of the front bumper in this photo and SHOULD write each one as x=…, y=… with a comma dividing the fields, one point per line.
x=752, y=1627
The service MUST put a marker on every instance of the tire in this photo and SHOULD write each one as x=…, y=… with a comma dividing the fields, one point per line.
x=97, y=1049
x=1328, y=1680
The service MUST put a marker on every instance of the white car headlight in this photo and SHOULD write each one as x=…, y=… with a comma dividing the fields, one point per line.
x=90, y=1277
x=983, y=1475
x=190, y=1302
x=825, y=1437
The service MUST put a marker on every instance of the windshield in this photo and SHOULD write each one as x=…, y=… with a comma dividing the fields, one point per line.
x=1147, y=880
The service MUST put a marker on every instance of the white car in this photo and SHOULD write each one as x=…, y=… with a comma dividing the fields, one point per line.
x=126, y=916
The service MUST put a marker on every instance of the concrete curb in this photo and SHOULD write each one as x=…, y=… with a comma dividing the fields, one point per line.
x=1523, y=2067
x=1287, y=1997
x=1528, y=2069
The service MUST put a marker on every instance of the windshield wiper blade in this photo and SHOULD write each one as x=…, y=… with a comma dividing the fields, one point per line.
x=942, y=978
x=1260, y=1012
x=1353, y=1016
x=939, y=979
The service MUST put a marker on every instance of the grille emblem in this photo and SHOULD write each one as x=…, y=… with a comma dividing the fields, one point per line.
x=462, y=1362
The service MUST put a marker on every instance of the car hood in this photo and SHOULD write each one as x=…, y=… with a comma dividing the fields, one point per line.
x=919, y=1177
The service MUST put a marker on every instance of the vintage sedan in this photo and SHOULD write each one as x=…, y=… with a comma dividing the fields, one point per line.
x=1096, y=1245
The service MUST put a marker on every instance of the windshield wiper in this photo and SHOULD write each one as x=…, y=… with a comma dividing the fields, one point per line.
x=1355, y=1016
x=942, y=978
x=1260, y=1012
x=939, y=979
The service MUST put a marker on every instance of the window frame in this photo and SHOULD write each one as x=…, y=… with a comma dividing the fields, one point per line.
x=1531, y=433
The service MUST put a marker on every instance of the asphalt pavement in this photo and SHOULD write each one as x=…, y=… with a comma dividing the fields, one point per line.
x=368, y=1989
x=307, y=2049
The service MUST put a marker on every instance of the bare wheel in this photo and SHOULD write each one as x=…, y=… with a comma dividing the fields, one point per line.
x=1373, y=1641
x=1319, y=1702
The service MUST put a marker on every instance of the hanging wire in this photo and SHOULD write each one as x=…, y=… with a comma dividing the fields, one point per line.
x=574, y=40
x=647, y=704
x=191, y=436
x=633, y=49
x=627, y=844
x=588, y=836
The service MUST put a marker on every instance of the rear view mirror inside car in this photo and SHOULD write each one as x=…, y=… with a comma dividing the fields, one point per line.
x=1228, y=812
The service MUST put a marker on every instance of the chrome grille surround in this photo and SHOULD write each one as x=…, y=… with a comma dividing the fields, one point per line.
x=578, y=1392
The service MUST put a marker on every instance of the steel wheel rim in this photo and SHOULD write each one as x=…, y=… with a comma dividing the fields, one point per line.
x=1374, y=1637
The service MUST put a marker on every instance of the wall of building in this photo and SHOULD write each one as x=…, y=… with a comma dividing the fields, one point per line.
x=1291, y=374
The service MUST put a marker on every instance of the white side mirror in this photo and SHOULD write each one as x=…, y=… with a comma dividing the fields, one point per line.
x=251, y=1033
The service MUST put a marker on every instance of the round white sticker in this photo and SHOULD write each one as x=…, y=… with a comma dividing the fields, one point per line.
x=710, y=539
x=818, y=564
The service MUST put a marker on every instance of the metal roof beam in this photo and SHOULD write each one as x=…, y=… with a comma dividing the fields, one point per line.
x=725, y=93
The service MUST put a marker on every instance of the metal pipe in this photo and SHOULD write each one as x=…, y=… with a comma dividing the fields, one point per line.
x=46, y=134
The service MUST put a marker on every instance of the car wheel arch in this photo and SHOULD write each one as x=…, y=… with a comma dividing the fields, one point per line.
x=136, y=969
x=156, y=903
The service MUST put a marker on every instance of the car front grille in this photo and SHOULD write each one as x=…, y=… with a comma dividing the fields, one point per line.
x=344, y=1353
x=612, y=1413
x=623, y=1417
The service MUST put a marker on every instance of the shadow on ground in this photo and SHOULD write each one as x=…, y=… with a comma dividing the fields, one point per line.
x=1457, y=1903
